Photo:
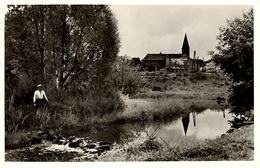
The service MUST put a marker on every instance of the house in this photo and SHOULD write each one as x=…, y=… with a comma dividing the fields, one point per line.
x=178, y=63
x=154, y=62
x=210, y=67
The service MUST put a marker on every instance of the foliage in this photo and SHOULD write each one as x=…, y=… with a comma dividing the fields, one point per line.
x=61, y=46
x=61, y=41
x=126, y=77
x=70, y=49
x=16, y=139
x=28, y=155
x=56, y=115
x=235, y=57
x=198, y=76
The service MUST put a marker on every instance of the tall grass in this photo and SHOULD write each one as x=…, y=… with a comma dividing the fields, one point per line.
x=16, y=139
x=140, y=110
x=73, y=111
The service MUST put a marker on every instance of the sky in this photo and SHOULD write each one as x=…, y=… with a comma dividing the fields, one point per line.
x=161, y=28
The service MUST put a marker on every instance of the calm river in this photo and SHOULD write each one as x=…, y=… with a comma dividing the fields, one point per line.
x=196, y=126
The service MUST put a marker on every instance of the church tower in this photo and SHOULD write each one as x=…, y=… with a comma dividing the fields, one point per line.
x=185, y=46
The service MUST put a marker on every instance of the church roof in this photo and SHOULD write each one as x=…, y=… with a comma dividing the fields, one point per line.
x=185, y=42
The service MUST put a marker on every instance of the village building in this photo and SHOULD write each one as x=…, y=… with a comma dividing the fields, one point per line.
x=178, y=63
x=211, y=67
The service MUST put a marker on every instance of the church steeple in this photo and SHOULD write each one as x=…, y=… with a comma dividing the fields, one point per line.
x=185, y=46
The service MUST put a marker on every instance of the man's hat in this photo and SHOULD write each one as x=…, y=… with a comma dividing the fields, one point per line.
x=39, y=85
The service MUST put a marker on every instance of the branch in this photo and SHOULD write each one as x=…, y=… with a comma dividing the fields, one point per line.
x=25, y=68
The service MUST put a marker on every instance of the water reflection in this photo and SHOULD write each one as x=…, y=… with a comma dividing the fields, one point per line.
x=194, y=118
x=186, y=120
x=206, y=125
x=185, y=123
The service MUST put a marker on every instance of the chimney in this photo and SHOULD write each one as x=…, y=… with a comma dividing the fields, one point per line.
x=194, y=62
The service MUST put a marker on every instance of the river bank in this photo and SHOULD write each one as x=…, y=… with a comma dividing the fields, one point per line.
x=237, y=145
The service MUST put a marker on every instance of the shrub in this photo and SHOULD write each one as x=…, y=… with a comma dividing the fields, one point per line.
x=157, y=88
x=16, y=139
x=125, y=77
x=198, y=76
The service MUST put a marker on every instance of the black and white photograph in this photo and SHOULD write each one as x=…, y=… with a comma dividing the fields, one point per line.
x=128, y=82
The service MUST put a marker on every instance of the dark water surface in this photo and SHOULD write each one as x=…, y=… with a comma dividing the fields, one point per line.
x=196, y=126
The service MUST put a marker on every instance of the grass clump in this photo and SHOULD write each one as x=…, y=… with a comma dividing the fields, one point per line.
x=198, y=76
x=16, y=139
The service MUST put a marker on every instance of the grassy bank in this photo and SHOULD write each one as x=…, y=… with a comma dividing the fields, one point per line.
x=176, y=97
x=238, y=145
x=141, y=110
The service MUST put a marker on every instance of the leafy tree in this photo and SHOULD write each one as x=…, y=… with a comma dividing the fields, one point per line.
x=62, y=46
x=235, y=57
x=125, y=77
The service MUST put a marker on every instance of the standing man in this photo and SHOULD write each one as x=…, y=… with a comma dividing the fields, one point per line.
x=39, y=97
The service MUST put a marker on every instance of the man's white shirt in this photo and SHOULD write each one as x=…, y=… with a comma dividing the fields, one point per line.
x=39, y=95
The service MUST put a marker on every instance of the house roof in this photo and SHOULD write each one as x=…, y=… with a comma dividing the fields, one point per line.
x=173, y=55
x=160, y=56
x=154, y=57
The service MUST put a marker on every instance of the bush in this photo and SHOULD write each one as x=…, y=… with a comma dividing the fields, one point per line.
x=157, y=88
x=16, y=140
x=198, y=76
x=125, y=77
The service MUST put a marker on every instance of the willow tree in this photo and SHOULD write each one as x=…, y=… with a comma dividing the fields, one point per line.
x=236, y=58
x=62, y=46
